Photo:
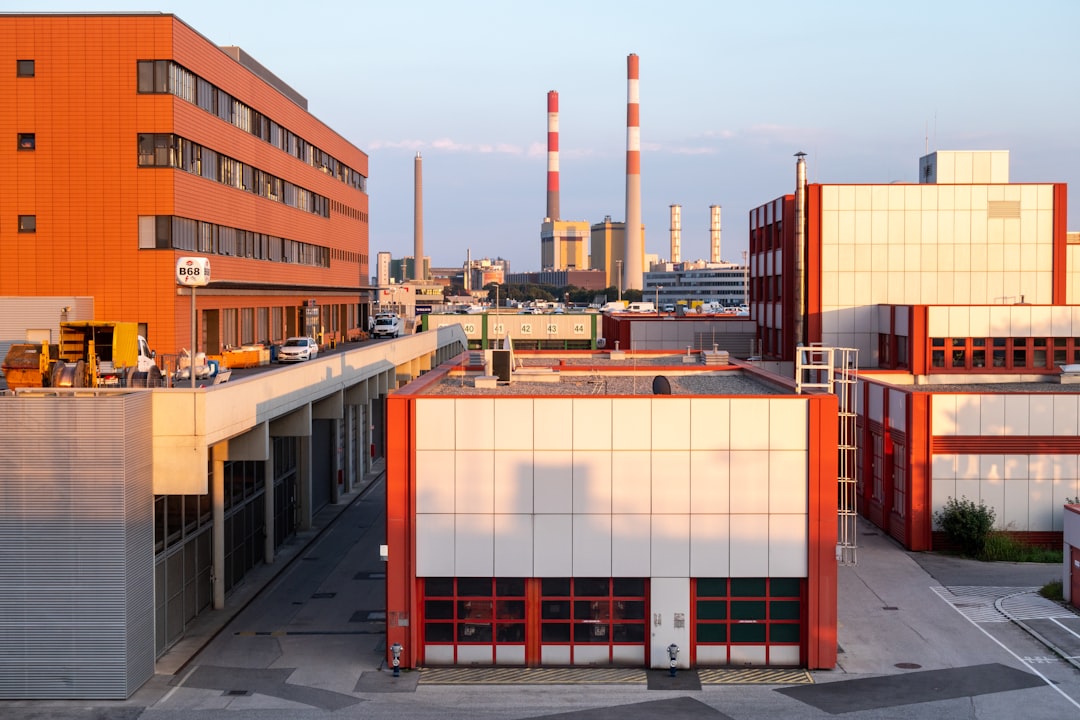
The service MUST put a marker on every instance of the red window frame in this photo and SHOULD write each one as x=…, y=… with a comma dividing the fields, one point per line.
x=473, y=611
x=732, y=612
x=593, y=611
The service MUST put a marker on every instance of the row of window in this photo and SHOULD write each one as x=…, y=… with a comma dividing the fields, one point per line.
x=167, y=150
x=165, y=76
x=168, y=232
x=1005, y=353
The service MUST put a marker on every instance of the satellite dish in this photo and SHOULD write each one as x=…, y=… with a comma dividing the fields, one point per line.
x=661, y=386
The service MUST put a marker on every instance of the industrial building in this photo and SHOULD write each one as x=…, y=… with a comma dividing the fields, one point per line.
x=958, y=294
x=183, y=148
x=570, y=516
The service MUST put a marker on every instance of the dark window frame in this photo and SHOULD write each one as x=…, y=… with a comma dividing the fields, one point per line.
x=27, y=142
x=28, y=223
x=25, y=68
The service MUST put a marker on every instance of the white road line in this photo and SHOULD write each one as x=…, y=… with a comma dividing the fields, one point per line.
x=1020, y=659
x=176, y=687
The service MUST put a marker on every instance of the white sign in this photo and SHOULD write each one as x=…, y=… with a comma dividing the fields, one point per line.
x=193, y=271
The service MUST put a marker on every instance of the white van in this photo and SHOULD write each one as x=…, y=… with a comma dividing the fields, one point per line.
x=642, y=307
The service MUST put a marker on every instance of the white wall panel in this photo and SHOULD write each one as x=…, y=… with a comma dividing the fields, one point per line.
x=1040, y=499
x=553, y=544
x=592, y=482
x=968, y=467
x=631, y=482
x=898, y=409
x=709, y=481
x=787, y=481
x=1016, y=414
x=592, y=423
x=670, y=423
x=509, y=655
x=479, y=654
x=943, y=467
x=1020, y=320
x=959, y=321
x=670, y=550
x=749, y=545
x=875, y=409
x=1061, y=324
x=1041, y=414
x=434, y=481
x=553, y=482
x=592, y=546
x=937, y=321
x=671, y=482
x=514, y=424
x=968, y=414
x=1000, y=321
x=969, y=488
x=992, y=413
x=991, y=467
x=1042, y=321
x=992, y=494
x=632, y=655
x=555, y=654
x=787, y=546
x=513, y=481
x=474, y=545
x=749, y=481
x=710, y=423
x=1064, y=467
x=475, y=423
x=552, y=423
x=979, y=324
x=668, y=596
x=750, y=424
x=709, y=545
x=513, y=545
x=474, y=487
x=787, y=424
x=1065, y=489
x=1065, y=415
x=435, y=424
x=631, y=545
x=1016, y=467
x=940, y=492
x=1016, y=512
x=631, y=422
x=435, y=545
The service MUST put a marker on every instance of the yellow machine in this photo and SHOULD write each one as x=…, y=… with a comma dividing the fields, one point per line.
x=90, y=354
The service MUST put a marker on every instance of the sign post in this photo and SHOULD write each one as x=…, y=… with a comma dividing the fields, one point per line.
x=192, y=272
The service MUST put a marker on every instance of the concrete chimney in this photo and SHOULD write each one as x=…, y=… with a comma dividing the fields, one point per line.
x=714, y=234
x=633, y=269
x=676, y=233
x=799, y=330
x=418, y=218
x=553, y=156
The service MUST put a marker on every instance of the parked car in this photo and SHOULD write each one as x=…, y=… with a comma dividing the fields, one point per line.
x=297, y=349
x=387, y=325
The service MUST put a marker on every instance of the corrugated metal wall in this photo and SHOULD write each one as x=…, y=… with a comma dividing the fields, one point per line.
x=76, y=546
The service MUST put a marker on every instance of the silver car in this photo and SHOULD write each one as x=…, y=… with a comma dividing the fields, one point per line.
x=297, y=349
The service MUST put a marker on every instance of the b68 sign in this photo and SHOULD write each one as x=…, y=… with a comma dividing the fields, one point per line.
x=193, y=271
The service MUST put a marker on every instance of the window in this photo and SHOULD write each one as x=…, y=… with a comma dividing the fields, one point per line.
x=745, y=611
x=27, y=223
x=474, y=610
x=899, y=480
x=24, y=68
x=26, y=141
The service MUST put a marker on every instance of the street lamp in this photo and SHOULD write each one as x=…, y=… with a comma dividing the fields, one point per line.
x=658, y=289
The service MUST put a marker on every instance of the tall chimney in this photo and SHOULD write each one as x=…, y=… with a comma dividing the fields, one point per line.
x=714, y=234
x=553, y=156
x=799, y=331
x=418, y=218
x=676, y=233
x=635, y=247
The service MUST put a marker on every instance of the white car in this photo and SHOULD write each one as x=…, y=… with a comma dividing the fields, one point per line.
x=296, y=349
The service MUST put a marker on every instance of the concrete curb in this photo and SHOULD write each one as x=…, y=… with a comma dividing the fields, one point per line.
x=999, y=605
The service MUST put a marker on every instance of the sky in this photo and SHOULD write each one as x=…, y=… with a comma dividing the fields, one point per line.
x=729, y=92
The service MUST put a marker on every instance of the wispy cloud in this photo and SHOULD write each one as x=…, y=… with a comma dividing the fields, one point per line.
x=452, y=146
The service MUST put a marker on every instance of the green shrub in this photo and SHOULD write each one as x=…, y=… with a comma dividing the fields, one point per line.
x=1000, y=547
x=966, y=524
x=1052, y=591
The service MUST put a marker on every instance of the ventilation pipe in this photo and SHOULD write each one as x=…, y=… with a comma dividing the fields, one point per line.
x=676, y=233
x=418, y=218
x=800, y=249
x=553, y=156
x=635, y=247
x=714, y=233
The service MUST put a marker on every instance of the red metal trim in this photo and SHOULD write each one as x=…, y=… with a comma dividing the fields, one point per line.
x=813, y=264
x=821, y=597
x=918, y=523
x=1060, y=276
x=401, y=601
x=918, y=345
x=1007, y=444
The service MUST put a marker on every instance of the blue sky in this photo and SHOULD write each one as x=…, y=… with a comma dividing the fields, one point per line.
x=729, y=92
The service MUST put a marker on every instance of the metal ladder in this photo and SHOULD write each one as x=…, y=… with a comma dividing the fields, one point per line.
x=836, y=371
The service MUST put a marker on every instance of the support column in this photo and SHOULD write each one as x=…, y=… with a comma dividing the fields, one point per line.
x=337, y=490
x=217, y=532
x=303, y=471
x=268, y=507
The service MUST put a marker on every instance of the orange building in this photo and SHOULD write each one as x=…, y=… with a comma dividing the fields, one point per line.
x=132, y=140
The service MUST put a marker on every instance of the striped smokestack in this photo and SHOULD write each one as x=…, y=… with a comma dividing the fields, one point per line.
x=418, y=218
x=676, y=233
x=635, y=247
x=714, y=234
x=553, y=156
